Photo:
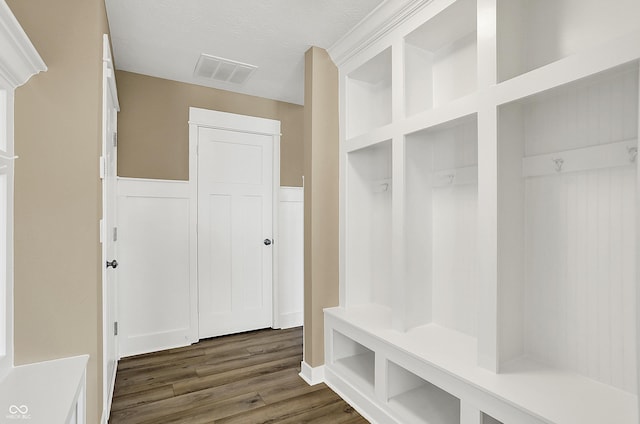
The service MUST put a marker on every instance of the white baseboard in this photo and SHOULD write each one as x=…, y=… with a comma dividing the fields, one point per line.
x=290, y=320
x=312, y=375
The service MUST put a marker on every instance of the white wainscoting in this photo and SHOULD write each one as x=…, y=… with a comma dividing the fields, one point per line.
x=157, y=296
x=157, y=289
x=291, y=258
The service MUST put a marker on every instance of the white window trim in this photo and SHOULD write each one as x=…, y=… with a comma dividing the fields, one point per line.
x=19, y=61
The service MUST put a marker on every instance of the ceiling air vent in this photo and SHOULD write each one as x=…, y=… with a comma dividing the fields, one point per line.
x=223, y=70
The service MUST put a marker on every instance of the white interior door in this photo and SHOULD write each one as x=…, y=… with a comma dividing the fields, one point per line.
x=235, y=224
x=110, y=110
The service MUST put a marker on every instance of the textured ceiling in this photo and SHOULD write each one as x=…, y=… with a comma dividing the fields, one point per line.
x=164, y=38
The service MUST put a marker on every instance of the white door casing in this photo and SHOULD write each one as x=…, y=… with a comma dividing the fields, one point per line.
x=234, y=167
x=108, y=231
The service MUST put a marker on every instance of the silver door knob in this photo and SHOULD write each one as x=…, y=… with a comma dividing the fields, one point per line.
x=113, y=264
x=267, y=242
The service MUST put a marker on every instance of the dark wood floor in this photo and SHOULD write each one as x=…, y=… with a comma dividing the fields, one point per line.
x=244, y=378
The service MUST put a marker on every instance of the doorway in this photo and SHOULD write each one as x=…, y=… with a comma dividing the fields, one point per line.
x=234, y=175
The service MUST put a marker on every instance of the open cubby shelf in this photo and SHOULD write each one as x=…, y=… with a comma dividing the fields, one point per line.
x=417, y=401
x=441, y=202
x=441, y=58
x=532, y=34
x=570, y=188
x=489, y=214
x=355, y=360
x=369, y=95
x=488, y=419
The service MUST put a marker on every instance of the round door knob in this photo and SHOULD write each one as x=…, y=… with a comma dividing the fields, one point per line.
x=267, y=242
x=113, y=264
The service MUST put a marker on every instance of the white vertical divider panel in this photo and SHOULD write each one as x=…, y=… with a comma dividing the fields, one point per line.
x=511, y=234
x=399, y=293
x=470, y=414
x=291, y=258
x=157, y=292
x=488, y=208
x=398, y=280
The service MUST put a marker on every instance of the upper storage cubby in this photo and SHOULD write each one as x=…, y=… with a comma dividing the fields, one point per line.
x=441, y=58
x=368, y=226
x=534, y=33
x=441, y=177
x=369, y=95
x=567, y=228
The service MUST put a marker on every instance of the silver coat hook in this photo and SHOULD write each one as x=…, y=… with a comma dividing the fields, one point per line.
x=559, y=162
x=633, y=153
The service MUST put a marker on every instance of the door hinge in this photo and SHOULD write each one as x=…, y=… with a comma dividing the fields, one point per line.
x=115, y=328
x=115, y=139
x=115, y=233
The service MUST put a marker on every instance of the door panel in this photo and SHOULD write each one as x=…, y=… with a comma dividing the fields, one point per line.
x=234, y=219
x=108, y=236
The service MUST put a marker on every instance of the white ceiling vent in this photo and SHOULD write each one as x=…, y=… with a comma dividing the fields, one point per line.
x=223, y=70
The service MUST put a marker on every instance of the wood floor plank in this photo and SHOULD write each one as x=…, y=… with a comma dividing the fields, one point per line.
x=246, y=362
x=168, y=407
x=287, y=389
x=245, y=378
x=283, y=410
x=199, y=383
x=336, y=412
x=142, y=397
x=210, y=411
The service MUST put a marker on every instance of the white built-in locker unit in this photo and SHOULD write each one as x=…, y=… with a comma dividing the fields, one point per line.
x=489, y=204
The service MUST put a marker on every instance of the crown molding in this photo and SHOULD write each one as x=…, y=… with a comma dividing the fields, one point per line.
x=381, y=21
x=19, y=60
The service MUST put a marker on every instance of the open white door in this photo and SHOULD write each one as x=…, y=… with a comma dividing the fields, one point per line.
x=108, y=234
x=234, y=191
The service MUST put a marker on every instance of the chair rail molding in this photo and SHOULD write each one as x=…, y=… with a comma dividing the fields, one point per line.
x=19, y=60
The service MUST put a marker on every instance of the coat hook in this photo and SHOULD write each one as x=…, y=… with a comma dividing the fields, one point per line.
x=381, y=188
x=559, y=162
x=633, y=153
x=8, y=157
x=450, y=178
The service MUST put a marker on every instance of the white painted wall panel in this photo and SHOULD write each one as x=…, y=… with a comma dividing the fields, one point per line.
x=154, y=278
x=291, y=257
x=580, y=273
x=580, y=230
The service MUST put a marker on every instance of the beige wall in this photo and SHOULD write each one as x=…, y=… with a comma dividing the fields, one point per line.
x=321, y=162
x=57, y=189
x=153, y=131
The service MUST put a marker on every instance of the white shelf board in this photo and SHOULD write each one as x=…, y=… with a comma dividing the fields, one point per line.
x=608, y=55
x=371, y=138
x=426, y=405
x=48, y=389
x=359, y=368
x=371, y=316
x=550, y=395
x=459, y=108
